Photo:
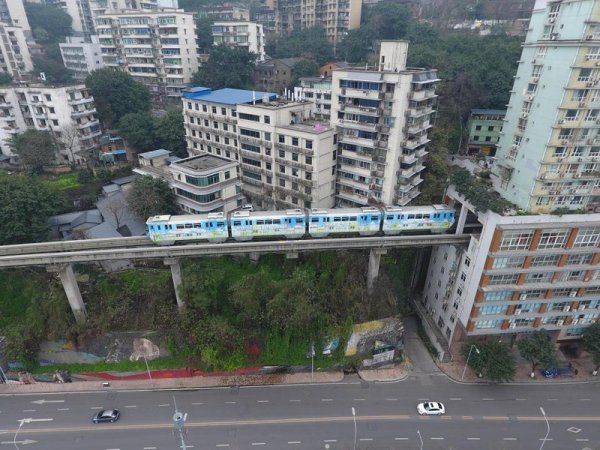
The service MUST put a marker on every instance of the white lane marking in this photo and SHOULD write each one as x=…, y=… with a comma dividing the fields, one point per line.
x=581, y=399
x=149, y=448
x=520, y=399
x=423, y=399
x=456, y=398
x=294, y=442
x=29, y=410
x=96, y=407
x=401, y=439
x=487, y=399
x=326, y=399
x=437, y=439
x=293, y=400
x=259, y=443
x=510, y=439
x=113, y=449
x=365, y=439
x=222, y=445
x=262, y=401
x=392, y=399
x=130, y=406
x=230, y=403
x=473, y=439
x=582, y=440
x=329, y=440
x=542, y=439
x=359, y=399
x=63, y=409
x=200, y=403
x=164, y=404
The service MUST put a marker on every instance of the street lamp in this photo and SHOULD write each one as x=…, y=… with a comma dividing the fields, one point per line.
x=547, y=426
x=473, y=346
x=354, y=417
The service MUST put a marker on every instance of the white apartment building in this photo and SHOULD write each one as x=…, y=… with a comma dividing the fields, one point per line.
x=519, y=273
x=15, y=35
x=203, y=183
x=68, y=112
x=316, y=90
x=81, y=57
x=157, y=48
x=287, y=159
x=548, y=155
x=248, y=35
x=383, y=115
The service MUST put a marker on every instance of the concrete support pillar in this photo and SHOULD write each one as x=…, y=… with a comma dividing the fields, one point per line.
x=67, y=278
x=419, y=258
x=254, y=257
x=176, y=276
x=373, y=271
x=462, y=219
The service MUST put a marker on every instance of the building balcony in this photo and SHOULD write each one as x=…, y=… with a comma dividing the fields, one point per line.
x=405, y=198
x=293, y=193
x=349, y=194
x=356, y=140
x=291, y=148
x=417, y=128
x=415, y=142
x=350, y=108
x=296, y=164
x=420, y=111
x=81, y=101
x=407, y=159
x=360, y=93
x=424, y=94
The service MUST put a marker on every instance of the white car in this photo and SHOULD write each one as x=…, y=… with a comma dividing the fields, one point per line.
x=431, y=409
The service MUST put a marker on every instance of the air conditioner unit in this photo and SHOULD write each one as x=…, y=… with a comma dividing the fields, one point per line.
x=581, y=308
x=517, y=312
x=582, y=104
x=573, y=294
x=598, y=63
x=567, y=309
x=524, y=115
x=512, y=326
x=551, y=19
x=589, y=37
x=561, y=121
x=575, y=321
x=523, y=297
x=560, y=323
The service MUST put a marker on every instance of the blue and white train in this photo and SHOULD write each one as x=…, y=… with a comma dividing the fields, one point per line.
x=298, y=223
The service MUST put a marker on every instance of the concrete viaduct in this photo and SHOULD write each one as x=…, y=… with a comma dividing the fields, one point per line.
x=60, y=256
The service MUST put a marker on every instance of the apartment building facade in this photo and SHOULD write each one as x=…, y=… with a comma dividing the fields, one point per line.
x=548, y=156
x=519, y=273
x=67, y=112
x=383, y=115
x=316, y=90
x=336, y=17
x=157, y=48
x=286, y=159
x=201, y=184
x=248, y=35
x=81, y=57
x=485, y=126
x=15, y=38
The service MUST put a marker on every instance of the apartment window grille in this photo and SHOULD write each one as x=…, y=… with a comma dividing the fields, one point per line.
x=503, y=279
x=580, y=259
x=486, y=324
x=508, y=262
x=516, y=240
x=545, y=260
x=538, y=277
x=587, y=237
x=553, y=239
x=493, y=309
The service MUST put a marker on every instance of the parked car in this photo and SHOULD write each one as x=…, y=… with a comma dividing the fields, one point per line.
x=431, y=409
x=107, y=415
x=555, y=372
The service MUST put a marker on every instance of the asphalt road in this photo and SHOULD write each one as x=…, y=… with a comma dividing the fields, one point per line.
x=313, y=417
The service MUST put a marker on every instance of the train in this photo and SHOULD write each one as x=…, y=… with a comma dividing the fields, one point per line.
x=218, y=227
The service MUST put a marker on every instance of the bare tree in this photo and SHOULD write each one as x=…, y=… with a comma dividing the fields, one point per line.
x=68, y=139
x=117, y=207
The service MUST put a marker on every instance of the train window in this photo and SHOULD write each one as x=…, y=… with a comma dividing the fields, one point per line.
x=375, y=219
x=411, y=216
x=260, y=222
x=197, y=225
x=345, y=219
x=188, y=225
x=425, y=216
x=179, y=226
x=237, y=223
x=389, y=218
x=353, y=218
x=337, y=219
x=276, y=221
x=220, y=224
x=419, y=216
x=314, y=220
x=268, y=222
x=300, y=220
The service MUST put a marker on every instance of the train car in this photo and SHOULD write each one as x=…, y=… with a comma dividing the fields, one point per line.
x=365, y=221
x=166, y=230
x=246, y=225
x=435, y=218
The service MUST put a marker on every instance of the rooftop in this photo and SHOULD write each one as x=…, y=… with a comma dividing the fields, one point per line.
x=155, y=153
x=491, y=112
x=227, y=96
x=202, y=162
x=310, y=126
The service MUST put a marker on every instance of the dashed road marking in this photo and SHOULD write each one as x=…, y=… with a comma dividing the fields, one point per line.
x=392, y=399
x=487, y=399
x=164, y=404
x=437, y=438
x=294, y=442
x=63, y=409
x=29, y=410
x=473, y=439
x=230, y=403
x=552, y=399
x=359, y=399
x=199, y=403
x=222, y=445
x=130, y=406
x=259, y=443
x=509, y=439
x=262, y=401
x=329, y=440
x=456, y=398
x=520, y=399
x=149, y=448
x=582, y=440
x=295, y=401
x=96, y=407
x=365, y=439
x=401, y=439
x=326, y=399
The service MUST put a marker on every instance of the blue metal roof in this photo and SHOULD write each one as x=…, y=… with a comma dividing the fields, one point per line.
x=227, y=96
x=155, y=153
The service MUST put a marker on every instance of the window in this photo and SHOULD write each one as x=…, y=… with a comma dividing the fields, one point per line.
x=493, y=309
x=508, y=262
x=575, y=275
x=516, y=240
x=485, y=324
x=267, y=119
x=227, y=175
x=251, y=117
x=308, y=144
x=546, y=260
x=503, y=279
x=463, y=276
x=553, y=239
x=575, y=260
x=532, y=293
x=497, y=296
x=295, y=156
x=538, y=277
x=250, y=133
x=202, y=181
x=281, y=139
x=587, y=237
x=295, y=141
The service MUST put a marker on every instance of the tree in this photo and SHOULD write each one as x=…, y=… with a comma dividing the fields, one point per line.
x=27, y=205
x=493, y=361
x=49, y=23
x=150, y=197
x=204, y=38
x=537, y=348
x=304, y=68
x=5, y=78
x=138, y=129
x=310, y=43
x=36, y=149
x=390, y=19
x=591, y=340
x=50, y=64
x=227, y=67
x=357, y=44
x=169, y=132
x=68, y=139
x=117, y=207
x=117, y=94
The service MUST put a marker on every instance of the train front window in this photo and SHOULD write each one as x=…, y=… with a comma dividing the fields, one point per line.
x=389, y=218
x=374, y=219
x=237, y=223
x=314, y=219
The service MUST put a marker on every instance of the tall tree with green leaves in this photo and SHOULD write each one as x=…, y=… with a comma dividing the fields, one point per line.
x=49, y=24
x=36, y=149
x=27, y=204
x=50, y=64
x=204, y=38
x=538, y=349
x=117, y=94
x=494, y=360
x=227, y=67
x=310, y=43
x=150, y=196
x=169, y=132
x=138, y=129
x=591, y=341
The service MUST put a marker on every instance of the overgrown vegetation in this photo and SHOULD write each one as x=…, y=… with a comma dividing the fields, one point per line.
x=479, y=193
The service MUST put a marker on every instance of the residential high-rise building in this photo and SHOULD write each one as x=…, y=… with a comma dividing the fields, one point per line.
x=81, y=57
x=548, y=156
x=68, y=112
x=248, y=35
x=286, y=159
x=157, y=48
x=382, y=115
x=316, y=90
x=336, y=17
x=15, y=37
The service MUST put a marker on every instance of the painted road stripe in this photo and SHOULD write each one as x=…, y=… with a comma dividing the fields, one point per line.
x=96, y=407
x=509, y=439
x=487, y=399
x=365, y=439
x=437, y=439
x=582, y=440
x=401, y=439
x=329, y=440
x=164, y=404
x=63, y=409
x=149, y=448
x=259, y=443
x=230, y=403
x=456, y=398
x=467, y=417
x=294, y=442
x=495, y=418
x=199, y=403
x=29, y=410
x=359, y=399
x=296, y=401
x=222, y=445
x=473, y=439
x=262, y=401
x=326, y=399
x=520, y=399
x=130, y=406
x=392, y=399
